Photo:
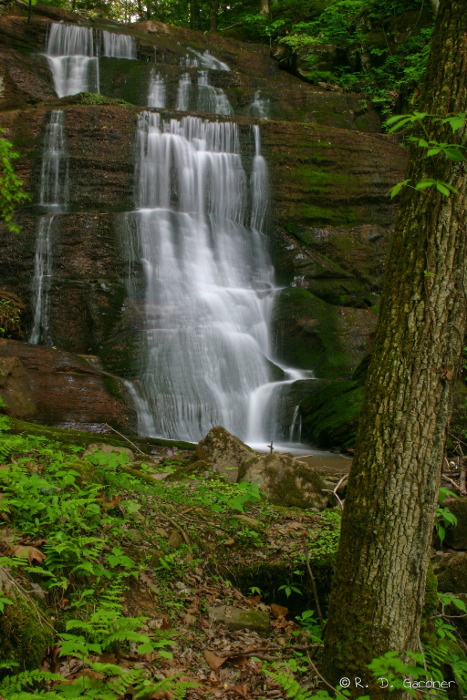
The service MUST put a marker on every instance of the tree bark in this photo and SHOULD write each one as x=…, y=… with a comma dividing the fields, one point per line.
x=378, y=590
x=264, y=8
x=214, y=9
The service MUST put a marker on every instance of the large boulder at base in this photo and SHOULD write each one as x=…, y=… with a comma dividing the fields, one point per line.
x=456, y=537
x=286, y=481
x=15, y=389
x=224, y=451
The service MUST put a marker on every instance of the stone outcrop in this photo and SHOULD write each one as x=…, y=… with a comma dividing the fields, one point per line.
x=60, y=388
x=15, y=390
x=286, y=481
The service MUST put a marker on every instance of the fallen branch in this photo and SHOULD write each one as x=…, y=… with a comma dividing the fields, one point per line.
x=127, y=439
x=315, y=590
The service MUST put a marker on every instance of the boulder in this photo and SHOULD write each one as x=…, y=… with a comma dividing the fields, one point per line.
x=236, y=619
x=223, y=450
x=15, y=389
x=456, y=537
x=285, y=480
x=451, y=571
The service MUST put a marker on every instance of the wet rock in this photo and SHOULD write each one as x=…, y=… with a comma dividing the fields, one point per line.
x=15, y=389
x=224, y=451
x=175, y=539
x=286, y=481
x=236, y=619
x=64, y=388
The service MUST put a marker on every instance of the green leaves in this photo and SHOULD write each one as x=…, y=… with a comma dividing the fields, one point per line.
x=11, y=192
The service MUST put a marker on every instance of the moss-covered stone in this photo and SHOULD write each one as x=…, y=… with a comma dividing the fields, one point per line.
x=23, y=639
x=330, y=414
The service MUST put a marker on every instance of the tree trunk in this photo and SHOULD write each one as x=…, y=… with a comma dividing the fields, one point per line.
x=264, y=8
x=213, y=15
x=379, y=586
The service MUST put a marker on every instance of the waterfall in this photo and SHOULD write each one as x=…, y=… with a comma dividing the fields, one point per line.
x=259, y=107
x=72, y=61
x=201, y=97
x=53, y=195
x=183, y=93
x=296, y=425
x=211, y=99
x=259, y=185
x=118, y=45
x=157, y=90
x=207, y=60
x=208, y=278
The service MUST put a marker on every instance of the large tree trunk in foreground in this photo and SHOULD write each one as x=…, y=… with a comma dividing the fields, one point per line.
x=379, y=586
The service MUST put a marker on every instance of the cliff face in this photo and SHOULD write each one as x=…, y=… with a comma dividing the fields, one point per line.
x=330, y=217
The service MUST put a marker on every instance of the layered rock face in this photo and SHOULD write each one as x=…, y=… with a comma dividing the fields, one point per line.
x=328, y=216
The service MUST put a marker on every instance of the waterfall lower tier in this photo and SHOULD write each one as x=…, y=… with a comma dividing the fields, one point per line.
x=208, y=280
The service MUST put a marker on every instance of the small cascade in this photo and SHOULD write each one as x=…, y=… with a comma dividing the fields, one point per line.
x=118, y=45
x=295, y=434
x=157, y=90
x=72, y=60
x=211, y=99
x=259, y=185
x=183, y=93
x=207, y=60
x=188, y=61
x=260, y=107
x=208, y=279
x=53, y=196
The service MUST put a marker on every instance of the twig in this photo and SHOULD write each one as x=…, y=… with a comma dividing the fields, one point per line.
x=337, y=497
x=451, y=481
x=15, y=583
x=179, y=528
x=125, y=438
x=323, y=679
x=340, y=482
x=232, y=653
x=315, y=591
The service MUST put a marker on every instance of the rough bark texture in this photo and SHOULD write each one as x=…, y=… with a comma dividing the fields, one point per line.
x=379, y=586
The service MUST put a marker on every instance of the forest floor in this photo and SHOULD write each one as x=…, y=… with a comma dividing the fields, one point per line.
x=139, y=581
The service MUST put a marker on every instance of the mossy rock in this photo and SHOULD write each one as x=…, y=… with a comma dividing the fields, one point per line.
x=306, y=334
x=330, y=414
x=22, y=637
x=286, y=481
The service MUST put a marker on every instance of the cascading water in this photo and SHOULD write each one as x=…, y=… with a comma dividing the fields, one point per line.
x=183, y=93
x=207, y=60
x=53, y=195
x=201, y=97
x=118, y=45
x=72, y=60
x=211, y=99
x=208, y=279
x=259, y=107
x=157, y=90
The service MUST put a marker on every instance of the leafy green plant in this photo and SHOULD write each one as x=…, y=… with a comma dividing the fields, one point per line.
x=11, y=192
x=444, y=517
x=290, y=587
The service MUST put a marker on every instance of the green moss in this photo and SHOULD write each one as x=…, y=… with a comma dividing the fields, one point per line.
x=306, y=334
x=22, y=637
x=431, y=594
x=330, y=414
x=321, y=216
